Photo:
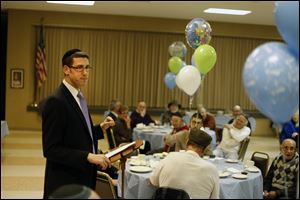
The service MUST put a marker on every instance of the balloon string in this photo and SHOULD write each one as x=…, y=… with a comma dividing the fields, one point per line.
x=191, y=102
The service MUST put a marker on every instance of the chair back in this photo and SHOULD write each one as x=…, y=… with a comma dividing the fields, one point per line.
x=261, y=160
x=104, y=186
x=110, y=138
x=170, y=193
x=243, y=148
x=146, y=148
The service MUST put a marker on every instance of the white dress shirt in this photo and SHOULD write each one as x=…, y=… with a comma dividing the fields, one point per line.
x=73, y=91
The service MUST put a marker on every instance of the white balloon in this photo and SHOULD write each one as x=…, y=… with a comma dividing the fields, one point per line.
x=188, y=79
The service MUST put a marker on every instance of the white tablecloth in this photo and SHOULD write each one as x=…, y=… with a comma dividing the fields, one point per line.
x=137, y=186
x=155, y=137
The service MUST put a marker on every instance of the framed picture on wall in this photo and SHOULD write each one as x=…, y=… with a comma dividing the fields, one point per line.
x=17, y=78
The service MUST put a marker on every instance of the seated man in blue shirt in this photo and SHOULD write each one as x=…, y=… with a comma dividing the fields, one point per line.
x=290, y=130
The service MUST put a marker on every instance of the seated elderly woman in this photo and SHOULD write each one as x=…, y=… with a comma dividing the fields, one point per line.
x=233, y=134
x=122, y=130
x=281, y=180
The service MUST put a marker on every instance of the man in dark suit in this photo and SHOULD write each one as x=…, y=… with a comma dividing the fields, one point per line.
x=114, y=107
x=69, y=137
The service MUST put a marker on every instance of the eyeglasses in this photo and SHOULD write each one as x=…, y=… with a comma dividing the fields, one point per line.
x=80, y=68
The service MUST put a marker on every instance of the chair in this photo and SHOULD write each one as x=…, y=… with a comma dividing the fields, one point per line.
x=261, y=160
x=170, y=193
x=243, y=148
x=146, y=148
x=104, y=186
x=110, y=138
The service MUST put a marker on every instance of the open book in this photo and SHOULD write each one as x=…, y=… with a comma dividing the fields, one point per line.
x=122, y=151
x=119, y=150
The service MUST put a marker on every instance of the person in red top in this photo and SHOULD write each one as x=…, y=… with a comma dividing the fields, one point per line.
x=208, y=120
x=178, y=128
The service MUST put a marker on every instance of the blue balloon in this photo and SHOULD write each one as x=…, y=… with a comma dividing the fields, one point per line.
x=170, y=80
x=271, y=80
x=294, y=53
x=287, y=20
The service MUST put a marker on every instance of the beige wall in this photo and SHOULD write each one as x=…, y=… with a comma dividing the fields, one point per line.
x=22, y=42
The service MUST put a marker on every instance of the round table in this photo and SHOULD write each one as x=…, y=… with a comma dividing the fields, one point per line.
x=137, y=185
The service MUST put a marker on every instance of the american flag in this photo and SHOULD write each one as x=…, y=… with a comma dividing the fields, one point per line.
x=40, y=61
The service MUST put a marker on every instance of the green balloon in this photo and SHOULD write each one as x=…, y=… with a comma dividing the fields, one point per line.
x=175, y=64
x=205, y=58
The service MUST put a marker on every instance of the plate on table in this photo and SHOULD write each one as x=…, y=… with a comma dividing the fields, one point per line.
x=140, y=169
x=240, y=176
x=165, y=154
x=138, y=162
x=147, y=130
x=223, y=174
x=140, y=126
x=158, y=155
x=232, y=161
x=253, y=169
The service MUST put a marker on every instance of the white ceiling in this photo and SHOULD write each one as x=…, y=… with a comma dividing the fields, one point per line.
x=262, y=11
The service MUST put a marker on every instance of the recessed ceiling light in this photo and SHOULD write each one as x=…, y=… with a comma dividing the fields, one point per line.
x=227, y=11
x=83, y=3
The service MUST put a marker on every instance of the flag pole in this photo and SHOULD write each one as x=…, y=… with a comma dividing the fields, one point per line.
x=36, y=87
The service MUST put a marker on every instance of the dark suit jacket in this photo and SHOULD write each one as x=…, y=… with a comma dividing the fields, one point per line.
x=136, y=118
x=67, y=142
x=110, y=114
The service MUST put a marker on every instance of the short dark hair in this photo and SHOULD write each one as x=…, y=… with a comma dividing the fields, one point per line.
x=73, y=53
x=196, y=115
x=123, y=108
x=72, y=191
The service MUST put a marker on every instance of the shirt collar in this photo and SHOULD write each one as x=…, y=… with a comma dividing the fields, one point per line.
x=193, y=153
x=115, y=114
x=73, y=90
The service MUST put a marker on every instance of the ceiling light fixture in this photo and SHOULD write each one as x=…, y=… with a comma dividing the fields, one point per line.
x=83, y=3
x=227, y=11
